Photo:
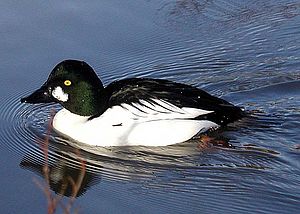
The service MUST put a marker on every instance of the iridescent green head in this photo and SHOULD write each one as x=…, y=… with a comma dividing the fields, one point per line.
x=74, y=85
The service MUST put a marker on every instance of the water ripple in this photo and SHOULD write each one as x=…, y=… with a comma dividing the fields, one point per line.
x=24, y=128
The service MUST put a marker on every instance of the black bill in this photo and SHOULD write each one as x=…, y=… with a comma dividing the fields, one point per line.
x=41, y=95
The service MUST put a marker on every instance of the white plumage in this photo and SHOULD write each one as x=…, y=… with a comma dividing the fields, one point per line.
x=155, y=123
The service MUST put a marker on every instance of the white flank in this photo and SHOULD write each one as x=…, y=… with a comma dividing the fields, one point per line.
x=59, y=94
x=149, y=124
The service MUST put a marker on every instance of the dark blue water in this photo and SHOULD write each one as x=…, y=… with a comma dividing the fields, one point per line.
x=247, y=52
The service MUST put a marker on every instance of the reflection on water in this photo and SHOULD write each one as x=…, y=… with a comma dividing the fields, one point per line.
x=246, y=52
x=66, y=164
x=61, y=177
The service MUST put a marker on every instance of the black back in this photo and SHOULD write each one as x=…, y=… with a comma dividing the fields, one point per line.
x=181, y=95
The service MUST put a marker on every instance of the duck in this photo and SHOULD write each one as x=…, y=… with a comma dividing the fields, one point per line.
x=128, y=112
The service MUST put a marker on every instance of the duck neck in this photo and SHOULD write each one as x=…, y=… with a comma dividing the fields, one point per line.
x=87, y=101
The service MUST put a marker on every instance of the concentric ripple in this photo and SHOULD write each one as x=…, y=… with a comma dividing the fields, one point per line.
x=183, y=168
x=25, y=129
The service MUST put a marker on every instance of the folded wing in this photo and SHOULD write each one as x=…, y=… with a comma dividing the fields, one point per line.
x=163, y=99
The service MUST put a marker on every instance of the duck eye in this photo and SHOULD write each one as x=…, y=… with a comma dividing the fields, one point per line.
x=67, y=82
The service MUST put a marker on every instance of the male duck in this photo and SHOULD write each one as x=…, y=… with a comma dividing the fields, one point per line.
x=134, y=111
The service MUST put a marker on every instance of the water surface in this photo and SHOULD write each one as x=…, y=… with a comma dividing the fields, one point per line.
x=246, y=52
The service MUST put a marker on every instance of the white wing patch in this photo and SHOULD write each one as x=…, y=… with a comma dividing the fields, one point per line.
x=161, y=110
x=59, y=94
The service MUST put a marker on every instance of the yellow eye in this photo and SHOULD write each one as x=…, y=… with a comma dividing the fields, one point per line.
x=67, y=82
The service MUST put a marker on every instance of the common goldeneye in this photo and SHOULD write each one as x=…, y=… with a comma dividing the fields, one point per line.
x=134, y=111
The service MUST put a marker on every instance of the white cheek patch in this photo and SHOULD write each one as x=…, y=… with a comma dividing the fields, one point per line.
x=59, y=94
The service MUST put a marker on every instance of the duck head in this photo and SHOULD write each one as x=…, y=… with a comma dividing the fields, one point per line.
x=75, y=86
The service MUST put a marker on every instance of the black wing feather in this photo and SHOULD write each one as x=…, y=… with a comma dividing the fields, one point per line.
x=134, y=90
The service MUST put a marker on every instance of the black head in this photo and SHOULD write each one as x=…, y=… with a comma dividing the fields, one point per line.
x=74, y=85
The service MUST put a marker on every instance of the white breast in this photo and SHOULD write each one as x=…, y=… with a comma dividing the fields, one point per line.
x=157, y=123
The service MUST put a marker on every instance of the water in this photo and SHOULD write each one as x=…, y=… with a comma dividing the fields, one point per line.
x=244, y=51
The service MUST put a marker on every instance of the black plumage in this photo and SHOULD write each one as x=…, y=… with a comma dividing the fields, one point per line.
x=133, y=90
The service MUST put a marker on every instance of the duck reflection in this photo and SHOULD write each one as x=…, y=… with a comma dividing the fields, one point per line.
x=67, y=175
